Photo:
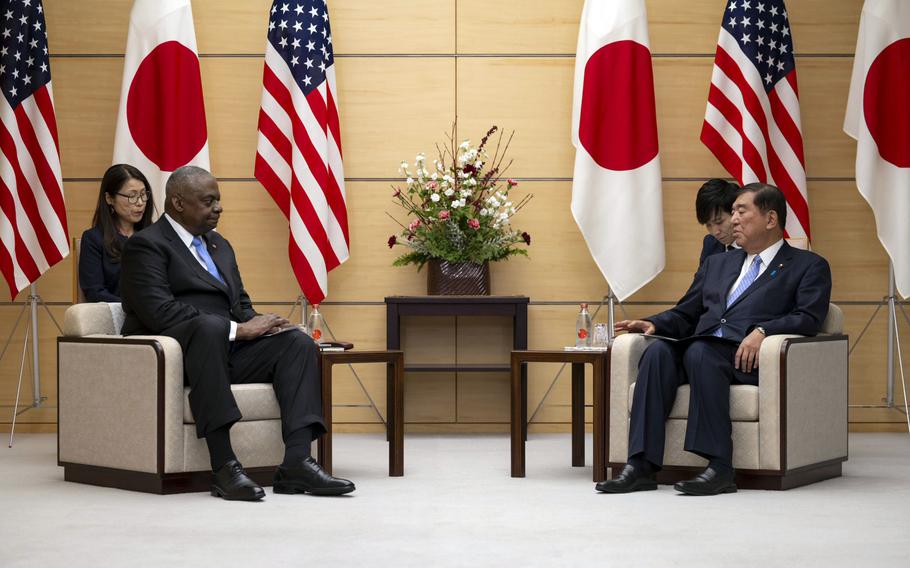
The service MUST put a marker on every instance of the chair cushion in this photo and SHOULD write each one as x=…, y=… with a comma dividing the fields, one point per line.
x=256, y=401
x=743, y=403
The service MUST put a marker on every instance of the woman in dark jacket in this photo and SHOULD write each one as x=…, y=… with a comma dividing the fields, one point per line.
x=124, y=207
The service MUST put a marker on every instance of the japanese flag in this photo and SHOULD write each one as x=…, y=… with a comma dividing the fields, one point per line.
x=161, y=123
x=878, y=117
x=616, y=191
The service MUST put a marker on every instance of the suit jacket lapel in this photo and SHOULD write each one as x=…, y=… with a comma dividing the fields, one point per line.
x=732, y=270
x=780, y=258
x=184, y=252
x=219, y=257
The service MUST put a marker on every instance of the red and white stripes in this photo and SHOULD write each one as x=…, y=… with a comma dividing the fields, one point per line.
x=757, y=135
x=33, y=229
x=299, y=162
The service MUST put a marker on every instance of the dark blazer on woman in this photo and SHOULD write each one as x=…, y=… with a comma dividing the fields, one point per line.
x=99, y=274
x=710, y=246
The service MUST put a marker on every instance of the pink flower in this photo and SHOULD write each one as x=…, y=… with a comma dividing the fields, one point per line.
x=414, y=224
x=432, y=185
x=393, y=240
x=444, y=215
x=396, y=193
x=474, y=224
x=511, y=182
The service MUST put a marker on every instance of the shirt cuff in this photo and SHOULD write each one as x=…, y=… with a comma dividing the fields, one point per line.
x=233, y=333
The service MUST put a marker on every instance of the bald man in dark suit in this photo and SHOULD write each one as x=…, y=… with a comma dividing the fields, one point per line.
x=180, y=278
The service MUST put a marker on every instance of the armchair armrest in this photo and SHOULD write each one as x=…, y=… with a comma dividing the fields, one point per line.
x=623, y=355
x=803, y=395
x=120, y=402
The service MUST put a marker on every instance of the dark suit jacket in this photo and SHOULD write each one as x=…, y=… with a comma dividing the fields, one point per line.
x=99, y=274
x=162, y=283
x=710, y=246
x=790, y=296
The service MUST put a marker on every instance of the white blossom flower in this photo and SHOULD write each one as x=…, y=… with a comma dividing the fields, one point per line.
x=409, y=181
x=465, y=145
x=434, y=198
x=478, y=164
x=485, y=212
x=420, y=158
x=404, y=166
x=465, y=193
x=503, y=216
x=434, y=177
x=449, y=192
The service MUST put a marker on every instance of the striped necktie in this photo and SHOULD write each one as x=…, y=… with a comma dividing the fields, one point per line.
x=744, y=284
x=747, y=281
x=206, y=258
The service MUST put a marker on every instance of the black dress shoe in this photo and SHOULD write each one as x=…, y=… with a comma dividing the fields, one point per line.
x=231, y=483
x=629, y=480
x=309, y=478
x=709, y=482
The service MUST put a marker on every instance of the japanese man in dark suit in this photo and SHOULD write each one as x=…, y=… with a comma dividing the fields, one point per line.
x=738, y=298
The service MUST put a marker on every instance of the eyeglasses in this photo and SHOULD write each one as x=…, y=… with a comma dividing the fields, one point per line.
x=136, y=198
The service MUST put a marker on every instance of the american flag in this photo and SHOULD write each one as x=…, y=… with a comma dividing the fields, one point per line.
x=752, y=121
x=33, y=233
x=298, y=158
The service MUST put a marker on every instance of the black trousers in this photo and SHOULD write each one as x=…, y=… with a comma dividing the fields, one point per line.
x=212, y=364
x=707, y=366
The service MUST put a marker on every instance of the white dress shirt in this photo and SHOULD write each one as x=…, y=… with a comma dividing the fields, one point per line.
x=766, y=255
x=187, y=239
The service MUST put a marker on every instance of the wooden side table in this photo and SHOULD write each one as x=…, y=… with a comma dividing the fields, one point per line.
x=394, y=361
x=578, y=359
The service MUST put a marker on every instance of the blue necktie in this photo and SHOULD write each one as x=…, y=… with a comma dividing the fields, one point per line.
x=744, y=284
x=207, y=258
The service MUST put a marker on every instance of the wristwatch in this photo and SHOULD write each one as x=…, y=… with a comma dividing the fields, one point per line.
x=761, y=330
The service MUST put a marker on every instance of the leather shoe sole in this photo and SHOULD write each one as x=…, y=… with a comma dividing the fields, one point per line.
x=292, y=489
x=256, y=495
x=700, y=489
x=614, y=487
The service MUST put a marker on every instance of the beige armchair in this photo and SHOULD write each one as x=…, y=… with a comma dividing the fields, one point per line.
x=788, y=431
x=124, y=418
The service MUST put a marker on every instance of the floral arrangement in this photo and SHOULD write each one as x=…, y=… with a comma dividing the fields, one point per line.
x=460, y=209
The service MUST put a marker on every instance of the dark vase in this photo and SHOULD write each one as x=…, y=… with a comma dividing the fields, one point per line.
x=457, y=278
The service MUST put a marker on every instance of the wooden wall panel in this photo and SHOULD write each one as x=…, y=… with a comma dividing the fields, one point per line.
x=401, y=85
x=239, y=26
x=542, y=117
x=544, y=26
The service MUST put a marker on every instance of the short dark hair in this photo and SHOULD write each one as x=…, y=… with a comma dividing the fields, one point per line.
x=184, y=177
x=769, y=198
x=715, y=195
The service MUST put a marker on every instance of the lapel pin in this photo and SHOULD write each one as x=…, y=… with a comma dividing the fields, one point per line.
x=774, y=272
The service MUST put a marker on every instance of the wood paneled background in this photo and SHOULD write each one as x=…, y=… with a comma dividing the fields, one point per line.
x=406, y=69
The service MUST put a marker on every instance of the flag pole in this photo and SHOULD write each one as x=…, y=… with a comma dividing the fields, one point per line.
x=611, y=315
x=892, y=327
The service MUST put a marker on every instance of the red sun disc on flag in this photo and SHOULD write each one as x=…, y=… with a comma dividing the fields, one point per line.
x=885, y=102
x=165, y=110
x=618, y=123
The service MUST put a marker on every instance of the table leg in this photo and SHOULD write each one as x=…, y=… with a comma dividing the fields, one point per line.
x=578, y=414
x=395, y=413
x=601, y=439
x=324, y=443
x=519, y=427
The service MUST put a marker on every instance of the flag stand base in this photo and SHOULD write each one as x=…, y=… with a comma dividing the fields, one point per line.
x=31, y=329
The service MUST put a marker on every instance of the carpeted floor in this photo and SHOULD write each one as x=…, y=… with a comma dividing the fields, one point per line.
x=457, y=506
